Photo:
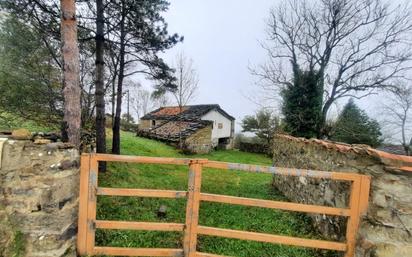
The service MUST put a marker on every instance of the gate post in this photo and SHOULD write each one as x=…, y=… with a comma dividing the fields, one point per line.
x=192, y=208
x=354, y=218
x=83, y=199
x=91, y=204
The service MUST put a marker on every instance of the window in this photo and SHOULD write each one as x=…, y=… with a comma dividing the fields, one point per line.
x=220, y=125
x=153, y=123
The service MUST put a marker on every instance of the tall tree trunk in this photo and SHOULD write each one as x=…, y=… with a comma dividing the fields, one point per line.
x=71, y=79
x=324, y=131
x=100, y=104
x=113, y=99
x=116, y=123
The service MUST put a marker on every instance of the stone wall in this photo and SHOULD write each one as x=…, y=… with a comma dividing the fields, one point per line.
x=147, y=124
x=38, y=200
x=386, y=229
x=199, y=142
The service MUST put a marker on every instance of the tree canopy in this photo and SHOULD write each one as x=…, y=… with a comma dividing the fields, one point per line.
x=353, y=126
x=30, y=79
x=302, y=104
x=355, y=47
x=263, y=124
x=126, y=36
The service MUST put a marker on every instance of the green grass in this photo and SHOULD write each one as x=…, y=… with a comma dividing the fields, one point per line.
x=211, y=214
x=18, y=244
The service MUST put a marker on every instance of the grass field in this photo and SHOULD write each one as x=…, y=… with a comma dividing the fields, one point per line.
x=211, y=214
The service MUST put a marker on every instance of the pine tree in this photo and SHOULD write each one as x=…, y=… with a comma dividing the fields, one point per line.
x=30, y=81
x=302, y=104
x=355, y=127
x=140, y=33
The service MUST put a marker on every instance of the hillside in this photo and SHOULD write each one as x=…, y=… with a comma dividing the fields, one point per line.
x=211, y=214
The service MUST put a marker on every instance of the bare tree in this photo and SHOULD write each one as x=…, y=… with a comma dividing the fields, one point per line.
x=398, y=112
x=187, y=80
x=356, y=46
x=160, y=101
x=71, y=89
x=141, y=102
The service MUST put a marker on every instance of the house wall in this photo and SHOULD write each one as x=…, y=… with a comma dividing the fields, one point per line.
x=225, y=131
x=200, y=142
x=386, y=229
x=147, y=124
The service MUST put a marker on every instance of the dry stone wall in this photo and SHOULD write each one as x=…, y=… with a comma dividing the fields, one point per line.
x=386, y=229
x=39, y=199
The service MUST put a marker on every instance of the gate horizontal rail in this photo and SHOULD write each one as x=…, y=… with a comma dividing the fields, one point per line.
x=89, y=190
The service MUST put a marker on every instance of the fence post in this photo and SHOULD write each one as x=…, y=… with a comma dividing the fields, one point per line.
x=83, y=199
x=91, y=204
x=354, y=218
x=192, y=208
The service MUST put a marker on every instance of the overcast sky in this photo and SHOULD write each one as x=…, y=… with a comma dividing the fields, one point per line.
x=222, y=38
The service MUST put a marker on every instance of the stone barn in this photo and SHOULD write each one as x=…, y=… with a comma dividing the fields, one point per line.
x=200, y=128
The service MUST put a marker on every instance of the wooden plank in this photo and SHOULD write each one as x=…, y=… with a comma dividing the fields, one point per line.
x=120, y=251
x=149, y=226
x=364, y=194
x=282, y=171
x=354, y=219
x=268, y=238
x=141, y=192
x=142, y=159
x=192, y=209
x=91, y=204
x=83, y=199
x=274, y=204
x=199, y=254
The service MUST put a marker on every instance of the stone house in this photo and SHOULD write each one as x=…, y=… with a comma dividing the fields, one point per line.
x=200, y=127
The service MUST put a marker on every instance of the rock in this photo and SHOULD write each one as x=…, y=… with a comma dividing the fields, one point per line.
x=21, y=134
x=67, y=164
x=379, y=199
x=162, y=212
x=41, y=141
x=51, y=147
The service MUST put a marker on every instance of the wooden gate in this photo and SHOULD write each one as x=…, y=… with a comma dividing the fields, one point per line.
x=89, y=190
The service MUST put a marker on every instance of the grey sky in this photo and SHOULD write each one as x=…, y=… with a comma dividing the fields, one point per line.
x=222, y=38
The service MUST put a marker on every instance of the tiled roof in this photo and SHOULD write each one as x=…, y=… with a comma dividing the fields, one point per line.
x=188, y=113
x=393, y=161
x=174, y=130
x=169, y=111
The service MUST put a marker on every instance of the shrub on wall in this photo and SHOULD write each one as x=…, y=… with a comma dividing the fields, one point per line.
x=254, y=147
